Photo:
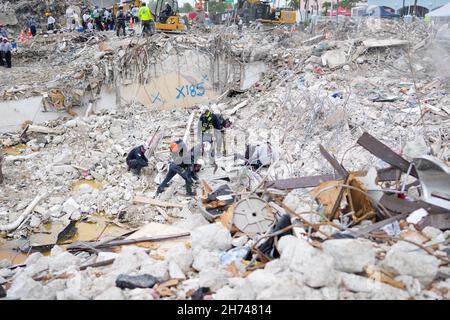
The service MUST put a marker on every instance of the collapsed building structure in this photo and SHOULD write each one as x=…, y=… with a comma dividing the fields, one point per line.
x=354, y=205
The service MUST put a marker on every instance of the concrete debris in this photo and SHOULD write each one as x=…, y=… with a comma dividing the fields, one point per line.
x=124, y=281
x=350, y=255
x=349, y=201
x=211, y=237
x=406, y=259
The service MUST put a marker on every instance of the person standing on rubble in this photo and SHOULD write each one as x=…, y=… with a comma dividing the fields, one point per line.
x=107, y=16
x=2, y=56
x=181, y=164
x=240, y=23
x=50, y=23
x=33, y=27
x=210, y=129
x=90, y=25
x=98, y=18
x=136, y=160
x=135, y=14
x=146, y=19
x=86, y=18
x=6, y=52
x=3, y=31
x=120, y=21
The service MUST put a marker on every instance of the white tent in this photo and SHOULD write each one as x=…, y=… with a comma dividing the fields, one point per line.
x=441, y=15
x=443, y=11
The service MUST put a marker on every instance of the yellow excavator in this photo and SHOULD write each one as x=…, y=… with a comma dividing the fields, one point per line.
x=165, y=13
x=167, y=18
x=262, y=11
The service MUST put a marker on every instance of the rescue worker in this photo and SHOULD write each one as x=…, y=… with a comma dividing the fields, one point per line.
x=107, y=17
x=6, y=49
x=3, y=31
x=120, y=21
x=135, y=14
x=86, y=18
x=50, y=23
x=259, y=155
x=136, y=160
x=33, y=27
x=98, y=18
x=146, y=18
x=90, y=25
x=240, y=23
x=212, y=126
x=181, y=164
x=2, y=56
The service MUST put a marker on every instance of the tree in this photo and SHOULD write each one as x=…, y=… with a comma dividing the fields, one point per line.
x=415, y=8
x=216, y=6
x=295, y=4
x=186, y=8
x=325, y=6
x=348, y=3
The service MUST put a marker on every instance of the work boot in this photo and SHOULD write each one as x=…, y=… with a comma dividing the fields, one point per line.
x=189, y=191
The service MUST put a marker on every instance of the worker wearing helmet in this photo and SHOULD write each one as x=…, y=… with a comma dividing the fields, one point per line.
x=211, y=129
x=50, y=23
x=136, y=160
x=146, y=18
x=181, y=164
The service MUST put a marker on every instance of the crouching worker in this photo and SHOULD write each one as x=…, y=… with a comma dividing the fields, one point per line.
x=136, y=160
x=258, y=155
x=181, y=164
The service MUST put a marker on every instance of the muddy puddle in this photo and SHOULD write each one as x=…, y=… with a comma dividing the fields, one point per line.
x=96, y=227
x=16, y=150
x=92, y=183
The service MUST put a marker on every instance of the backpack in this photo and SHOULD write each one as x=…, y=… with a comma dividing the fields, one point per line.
x=223, y=123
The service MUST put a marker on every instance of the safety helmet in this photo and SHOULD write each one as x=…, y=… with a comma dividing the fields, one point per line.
x=174, y=147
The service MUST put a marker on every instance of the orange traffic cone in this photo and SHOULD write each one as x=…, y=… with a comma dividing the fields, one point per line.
x=131, y=23
x=22, y=36
x=29, y=34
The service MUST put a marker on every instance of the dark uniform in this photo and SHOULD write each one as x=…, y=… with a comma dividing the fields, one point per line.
x=181, y=164
x=136, y=159
x=120, y=22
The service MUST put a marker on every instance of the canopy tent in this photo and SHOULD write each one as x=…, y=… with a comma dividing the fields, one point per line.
x=441, y=15
x=443, y=11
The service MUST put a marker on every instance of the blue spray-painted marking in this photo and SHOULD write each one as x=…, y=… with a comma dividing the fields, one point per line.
x=156, y=98
x=193, y=90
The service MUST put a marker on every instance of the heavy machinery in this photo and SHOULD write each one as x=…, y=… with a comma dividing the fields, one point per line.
x=261, y=11
x=167, y=21
x=164, y=21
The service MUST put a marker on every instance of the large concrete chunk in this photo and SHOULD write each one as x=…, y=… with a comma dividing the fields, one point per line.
x=333, y=58
x=316, y=267
x=406, y=259
x=212, y=237
x=350, y=255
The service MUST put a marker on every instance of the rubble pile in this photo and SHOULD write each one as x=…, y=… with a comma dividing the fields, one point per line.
x=353, y=204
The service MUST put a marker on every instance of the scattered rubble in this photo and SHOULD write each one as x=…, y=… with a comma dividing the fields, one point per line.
x=355, y=204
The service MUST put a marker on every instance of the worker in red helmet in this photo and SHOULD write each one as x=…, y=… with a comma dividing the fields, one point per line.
x=181, y=164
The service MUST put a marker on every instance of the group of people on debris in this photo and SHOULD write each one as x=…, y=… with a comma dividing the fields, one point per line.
x=5, y=48
x=187, y=163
